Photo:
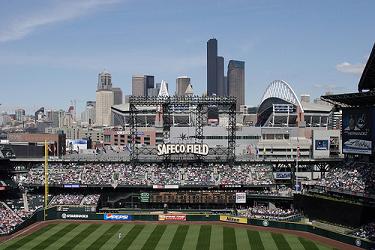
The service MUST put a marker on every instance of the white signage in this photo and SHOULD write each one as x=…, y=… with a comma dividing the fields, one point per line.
x=197, y=149
x=240, y=197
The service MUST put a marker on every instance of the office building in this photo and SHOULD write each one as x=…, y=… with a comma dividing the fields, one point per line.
x=211, y=67
x=117, y=96
x=236, y=81
x=88, y=115
x=104, y=101
x=104, y=80
x=20, y=115
x=220, y=76
x=141, y=84
x=149, y=83
x=182, y=83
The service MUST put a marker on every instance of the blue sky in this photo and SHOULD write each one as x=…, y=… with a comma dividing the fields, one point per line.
x=52, y=51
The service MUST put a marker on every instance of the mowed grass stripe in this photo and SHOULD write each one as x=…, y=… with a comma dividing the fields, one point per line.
x=166, y=239
x=216, y=241
x=179, y=238
x=85, y=243
x=293, y=241
x=229, y=238
x=267, y=240
x=254, y=240
x=129, y=238
x=307, y=244
x=204, y=237
x=280, y=241
x=19, y=243
x=191, y=237
x=241, y=238
x=79, y=237
x=51, y=239
x=67, y=237
x=104, y=237
x=154, y=238
x=114, y=240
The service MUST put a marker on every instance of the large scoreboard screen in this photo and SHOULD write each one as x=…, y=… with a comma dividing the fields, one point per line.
x=358, y=130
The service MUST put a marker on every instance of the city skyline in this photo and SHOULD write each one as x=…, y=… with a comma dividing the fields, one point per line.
x=51, y=55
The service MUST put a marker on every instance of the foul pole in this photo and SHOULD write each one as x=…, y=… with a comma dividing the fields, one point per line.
x=45, y=178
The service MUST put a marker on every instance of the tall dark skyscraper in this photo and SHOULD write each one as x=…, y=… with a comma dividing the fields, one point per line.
x=211, y=67
x=220, y=76
x=236, y=81
x=149, y=83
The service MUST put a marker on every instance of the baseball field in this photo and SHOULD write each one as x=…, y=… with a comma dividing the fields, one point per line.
x=155, y=236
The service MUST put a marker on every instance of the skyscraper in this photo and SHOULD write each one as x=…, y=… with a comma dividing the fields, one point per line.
x=104, y=102
x=88, y=115
x=20, y=114
x=211, y=67
x=141, y=84
x=236, y=81
x=182, y=82
x=138, y=85
x=117, y=96
x=104, y=80
x=149, y=83
x=220, y=76
x=104, y=99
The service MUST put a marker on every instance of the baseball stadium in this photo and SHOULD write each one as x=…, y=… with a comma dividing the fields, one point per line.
x=302, y=176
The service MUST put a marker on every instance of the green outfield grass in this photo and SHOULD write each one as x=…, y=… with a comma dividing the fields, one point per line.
x=154, y=236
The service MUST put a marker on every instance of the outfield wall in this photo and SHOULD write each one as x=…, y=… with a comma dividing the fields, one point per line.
x=53, y=214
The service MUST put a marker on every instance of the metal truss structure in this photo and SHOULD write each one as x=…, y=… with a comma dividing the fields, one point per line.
x=282, y=90
x=166, y=105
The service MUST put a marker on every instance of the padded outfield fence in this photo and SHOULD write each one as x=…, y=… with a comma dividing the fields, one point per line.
x=54, y=214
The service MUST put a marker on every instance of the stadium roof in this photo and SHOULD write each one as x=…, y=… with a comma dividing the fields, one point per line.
x=367, y=81
x=351, y=99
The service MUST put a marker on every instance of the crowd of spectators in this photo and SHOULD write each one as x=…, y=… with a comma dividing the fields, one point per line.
x=90, y=200
x=271, y=213
x=353, y=177
x=8, y=218
x=66, y=199
x=149, y=174
x=75, y=199
x=367, y=231
x=34, y=202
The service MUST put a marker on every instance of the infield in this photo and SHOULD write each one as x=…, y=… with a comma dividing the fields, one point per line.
x=155, y=236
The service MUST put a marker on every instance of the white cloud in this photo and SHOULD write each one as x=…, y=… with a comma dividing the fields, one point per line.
x=349, y=68
x=61, y=10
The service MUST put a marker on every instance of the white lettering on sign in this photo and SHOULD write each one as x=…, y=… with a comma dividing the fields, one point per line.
x=197, y=149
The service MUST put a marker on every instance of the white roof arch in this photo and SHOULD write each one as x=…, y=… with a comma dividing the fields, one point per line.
x=281, y=89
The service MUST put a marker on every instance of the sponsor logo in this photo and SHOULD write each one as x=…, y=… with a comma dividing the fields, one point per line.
x=358, y=242
x=265, y=223
x=117, y=217
x=233, y=219
x=74, y=216
x=197, y=149
x=177, y=217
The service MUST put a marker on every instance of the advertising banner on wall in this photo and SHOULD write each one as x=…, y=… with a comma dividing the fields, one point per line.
x=239, y=220
x=76, y=145
x=175, y=217
x=117, y=217
x=321, y=144
x=357, y=135
x=282, y=175
x=241, y=198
